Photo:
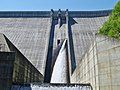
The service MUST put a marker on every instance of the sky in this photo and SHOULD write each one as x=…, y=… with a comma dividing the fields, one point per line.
x=41, y=5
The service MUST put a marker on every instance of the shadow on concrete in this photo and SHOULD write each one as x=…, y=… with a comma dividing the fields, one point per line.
x=49, y=54
x=72, y=53
x=21, y=87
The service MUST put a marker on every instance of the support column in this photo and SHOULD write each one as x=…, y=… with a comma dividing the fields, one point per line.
x=71, y=55
x=47, y=76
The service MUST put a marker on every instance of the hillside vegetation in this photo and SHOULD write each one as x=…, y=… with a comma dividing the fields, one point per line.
x=112, y=27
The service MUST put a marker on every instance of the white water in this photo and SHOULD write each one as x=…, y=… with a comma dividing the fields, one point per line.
x=41, y=87
x=59, y=74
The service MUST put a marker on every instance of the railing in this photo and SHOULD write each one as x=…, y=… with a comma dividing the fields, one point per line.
x=14, y=14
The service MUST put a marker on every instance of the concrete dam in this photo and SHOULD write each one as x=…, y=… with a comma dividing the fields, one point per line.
x=57, y=43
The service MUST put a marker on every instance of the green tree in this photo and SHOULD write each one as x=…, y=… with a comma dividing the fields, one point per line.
x=111, y=28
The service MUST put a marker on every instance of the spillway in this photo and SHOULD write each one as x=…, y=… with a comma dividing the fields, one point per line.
x=59, y=73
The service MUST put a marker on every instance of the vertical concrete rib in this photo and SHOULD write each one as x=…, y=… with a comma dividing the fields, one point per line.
x=50, y=51
x=71, y=54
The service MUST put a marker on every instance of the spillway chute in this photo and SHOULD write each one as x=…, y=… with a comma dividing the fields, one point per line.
x=60, y=73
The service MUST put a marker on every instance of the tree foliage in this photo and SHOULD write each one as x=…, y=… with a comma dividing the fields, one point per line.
x=111, y=28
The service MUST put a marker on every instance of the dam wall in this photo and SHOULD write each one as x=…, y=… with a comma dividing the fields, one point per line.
x=100, y=65
x=37, y=33
x=30, y=36
x=83, y=33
